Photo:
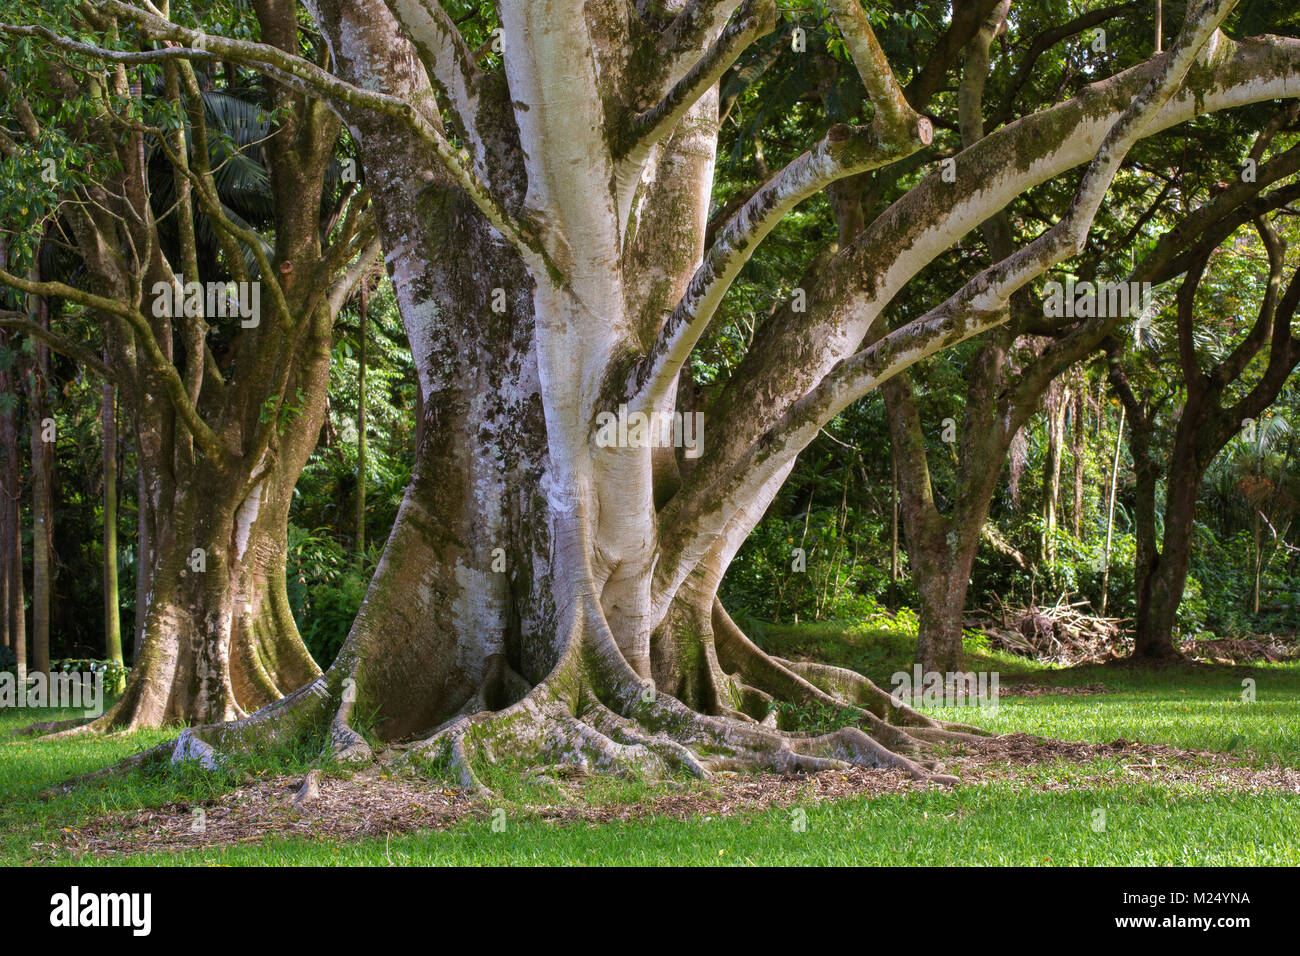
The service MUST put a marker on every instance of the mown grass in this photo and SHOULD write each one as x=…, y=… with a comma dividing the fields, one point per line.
x=29, y=766
x=1048, y=815
x=1001, y=823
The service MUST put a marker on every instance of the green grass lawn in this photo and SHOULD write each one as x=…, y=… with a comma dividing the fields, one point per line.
x=1047, y=814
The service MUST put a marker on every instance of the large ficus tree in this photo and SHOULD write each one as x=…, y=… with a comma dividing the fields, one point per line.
x=543, y=213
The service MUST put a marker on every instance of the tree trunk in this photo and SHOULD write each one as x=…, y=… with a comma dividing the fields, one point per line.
x=219, y=638
x=43, y=445
x=10, y=502
x=112, y=615
x=1110, y=513
x=549, y=592
x=143, y=561
x=1057, y=403
x=893, y=531
x=942, y=582
x=1078, y=461
x=1162, y=572
x=220, y=642
x=361, y=431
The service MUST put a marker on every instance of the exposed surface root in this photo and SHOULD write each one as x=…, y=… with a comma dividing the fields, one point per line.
x=594, y=714
x=629, y=732
x=804, y=682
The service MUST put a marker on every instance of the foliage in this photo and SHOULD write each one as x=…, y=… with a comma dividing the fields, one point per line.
x=326, y=585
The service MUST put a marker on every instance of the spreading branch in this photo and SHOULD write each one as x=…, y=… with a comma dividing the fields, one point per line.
x=175, y=387
x=309, y=80
x=845, y=151
x=854, y=287
x=980, y=304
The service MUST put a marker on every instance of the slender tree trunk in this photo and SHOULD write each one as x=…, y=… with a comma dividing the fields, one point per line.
x=14, y=550
x=43, y=445
x=893, y=531
x=1057, y=403
x=1110, y=513
x=143, y=560
x=10, y=502
x=112, y=615
x=1257, y=562
x=6, y=639
x=361, y=429
x=1079, y=462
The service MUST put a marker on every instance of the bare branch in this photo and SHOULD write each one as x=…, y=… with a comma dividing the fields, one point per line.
x=1048, y=39
x=79, y=353
x=176, y=393
x=309, y=80
x=346, y=283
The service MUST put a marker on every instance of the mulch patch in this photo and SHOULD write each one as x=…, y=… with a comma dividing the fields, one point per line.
x=1051, y=690
x=376, y=802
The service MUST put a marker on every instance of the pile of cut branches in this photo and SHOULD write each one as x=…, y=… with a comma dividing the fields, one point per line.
x=1242, y=650
x=1062, y=633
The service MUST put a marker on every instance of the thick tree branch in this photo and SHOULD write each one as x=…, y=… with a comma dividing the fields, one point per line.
x=978, y=305
x=877, y=75
x=798, y=349
x=446, y=56
x=691, y=31
x=756, y=19
x=980, y=301
x=843, y=152
x=1236, y=361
